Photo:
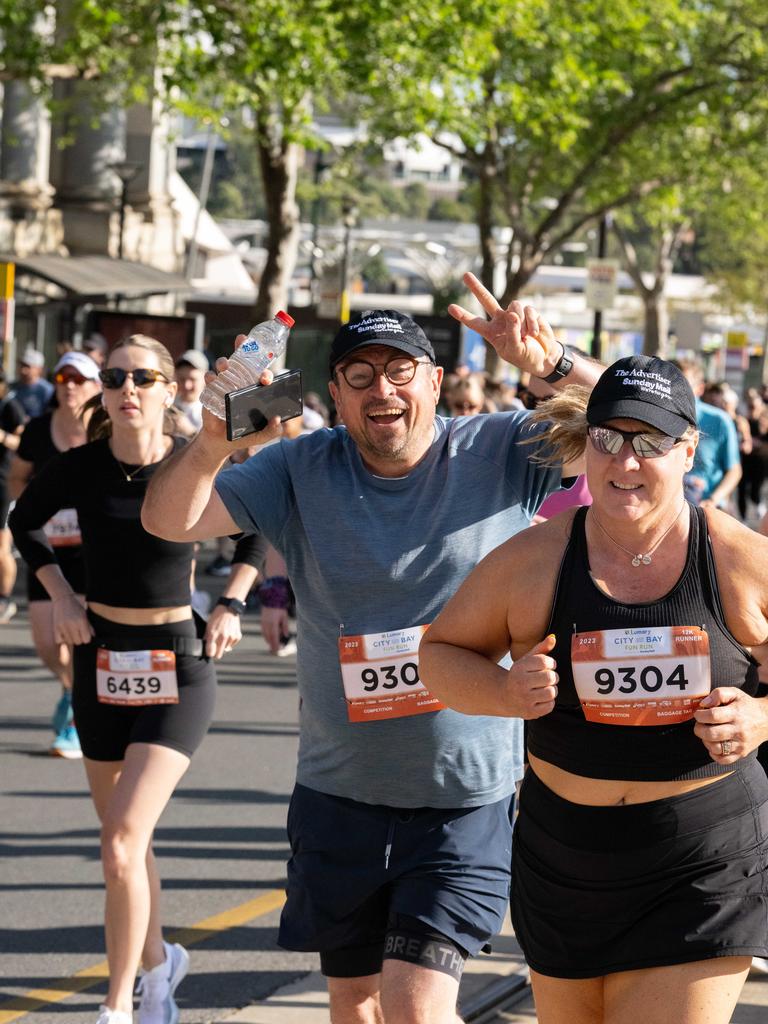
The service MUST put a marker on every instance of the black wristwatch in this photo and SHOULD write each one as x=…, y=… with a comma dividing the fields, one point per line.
x=563, y=368
x=233, y=604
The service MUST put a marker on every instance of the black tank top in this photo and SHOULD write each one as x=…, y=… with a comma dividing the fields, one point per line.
x=600, y=749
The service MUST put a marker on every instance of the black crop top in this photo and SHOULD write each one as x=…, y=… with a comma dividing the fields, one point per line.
x=648, y=752
x=124, y=565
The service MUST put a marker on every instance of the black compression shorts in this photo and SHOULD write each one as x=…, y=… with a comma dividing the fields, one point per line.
x=106, y=730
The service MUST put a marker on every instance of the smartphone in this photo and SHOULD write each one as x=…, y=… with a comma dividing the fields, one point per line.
x=248, y=410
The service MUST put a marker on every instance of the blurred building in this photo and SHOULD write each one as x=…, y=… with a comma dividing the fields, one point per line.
x=94, y=213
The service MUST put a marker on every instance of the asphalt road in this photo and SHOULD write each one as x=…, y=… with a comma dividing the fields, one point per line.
x=221, y=846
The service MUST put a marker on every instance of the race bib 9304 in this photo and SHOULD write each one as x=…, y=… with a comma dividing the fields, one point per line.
x=649, y=676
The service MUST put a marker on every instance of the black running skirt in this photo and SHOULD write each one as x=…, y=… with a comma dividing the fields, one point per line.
x=602, y=889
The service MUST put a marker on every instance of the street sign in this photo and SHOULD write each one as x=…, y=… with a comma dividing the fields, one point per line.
x=689, y=327
x=736, y=359
x=736, y=339
x=602, y=283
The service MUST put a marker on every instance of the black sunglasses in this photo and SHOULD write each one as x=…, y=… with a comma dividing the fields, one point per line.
x=115, y=377
x=645, y=445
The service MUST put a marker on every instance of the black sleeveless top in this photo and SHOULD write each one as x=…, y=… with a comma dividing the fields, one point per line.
x=600, y=749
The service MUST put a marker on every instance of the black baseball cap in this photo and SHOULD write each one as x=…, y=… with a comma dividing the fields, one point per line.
x=381, y=327
x=644, y=388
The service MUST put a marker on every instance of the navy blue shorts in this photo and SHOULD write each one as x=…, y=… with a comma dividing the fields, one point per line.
x=354, y=867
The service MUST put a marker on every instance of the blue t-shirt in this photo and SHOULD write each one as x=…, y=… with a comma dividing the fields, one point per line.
x=718, y=447
x=368, y=554
x=33, y=398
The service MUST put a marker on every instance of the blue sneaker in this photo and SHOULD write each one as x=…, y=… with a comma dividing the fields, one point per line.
x=62, y=715
x=67, y=744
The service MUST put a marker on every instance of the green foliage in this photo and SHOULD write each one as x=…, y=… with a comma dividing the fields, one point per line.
x=417, y=201
x=375, y=273
x=562, y=109
x=459, y=209
x=115, y=44
x=734, y=235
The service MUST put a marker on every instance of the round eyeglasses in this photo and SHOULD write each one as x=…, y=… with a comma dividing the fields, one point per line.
x=360, y=374
x=645, y=445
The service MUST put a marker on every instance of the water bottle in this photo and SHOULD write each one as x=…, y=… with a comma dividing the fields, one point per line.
x=265, y=342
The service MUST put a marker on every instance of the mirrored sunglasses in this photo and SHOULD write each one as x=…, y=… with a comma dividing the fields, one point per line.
x=70, y=378
x=645, y=445
x=142, y=378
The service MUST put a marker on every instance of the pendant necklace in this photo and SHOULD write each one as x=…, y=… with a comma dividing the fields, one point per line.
x=129, y=476
x=639, y=558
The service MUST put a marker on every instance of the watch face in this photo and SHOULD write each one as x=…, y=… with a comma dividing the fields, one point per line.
x=563, y=368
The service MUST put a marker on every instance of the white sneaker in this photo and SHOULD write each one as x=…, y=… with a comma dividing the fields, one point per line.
x=7, y=609
x=156, y=987
x=287, y=647
x=759, y=965
x=108, y=1016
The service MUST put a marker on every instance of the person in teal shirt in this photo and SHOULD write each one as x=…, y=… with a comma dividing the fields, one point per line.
x=717, y=467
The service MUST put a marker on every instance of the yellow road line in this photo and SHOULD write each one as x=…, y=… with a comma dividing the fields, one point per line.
x=61, y=988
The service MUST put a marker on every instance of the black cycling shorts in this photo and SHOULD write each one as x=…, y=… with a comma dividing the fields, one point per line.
x=106, y=730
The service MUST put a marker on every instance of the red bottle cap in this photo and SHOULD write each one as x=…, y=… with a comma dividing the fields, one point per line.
x=283, y=317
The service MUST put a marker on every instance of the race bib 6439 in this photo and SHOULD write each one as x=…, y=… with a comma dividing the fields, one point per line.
x=136, y=678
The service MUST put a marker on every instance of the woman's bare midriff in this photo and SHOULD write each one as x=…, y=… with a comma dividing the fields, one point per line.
x=141, y=616
x=609, y=792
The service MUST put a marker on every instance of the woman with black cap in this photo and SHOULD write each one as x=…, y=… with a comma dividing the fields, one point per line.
x=640, y=868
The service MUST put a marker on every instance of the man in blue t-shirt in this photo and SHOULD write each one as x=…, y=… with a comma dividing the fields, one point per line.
x=31, y=390
x=717, y=465
x=400, y=820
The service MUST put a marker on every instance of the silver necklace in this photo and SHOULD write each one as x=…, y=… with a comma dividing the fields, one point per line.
x=639, y=558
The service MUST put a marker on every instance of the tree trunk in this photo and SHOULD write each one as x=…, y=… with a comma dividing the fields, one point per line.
x=526, y=268
x=656, y=340
x=279, y=168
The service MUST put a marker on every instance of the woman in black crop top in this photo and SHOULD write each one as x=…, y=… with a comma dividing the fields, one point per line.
x=76, y=380
x=640, y=868
x=143, y=692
